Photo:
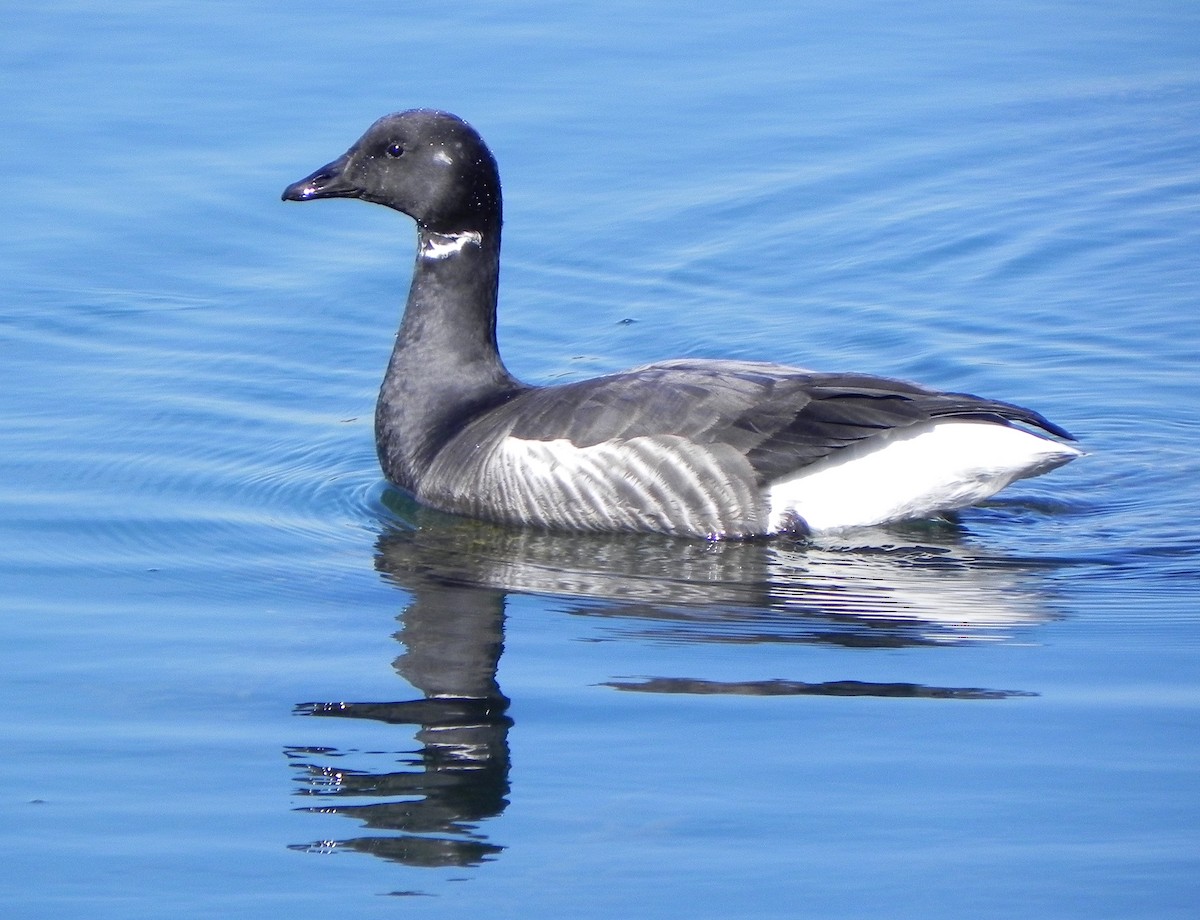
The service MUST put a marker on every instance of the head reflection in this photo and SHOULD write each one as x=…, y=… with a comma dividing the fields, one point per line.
x=429, y=809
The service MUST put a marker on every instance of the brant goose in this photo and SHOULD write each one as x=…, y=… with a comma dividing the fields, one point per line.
x=714, y=449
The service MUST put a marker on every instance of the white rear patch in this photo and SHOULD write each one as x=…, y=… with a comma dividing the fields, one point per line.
x=441, y=245
x=913, y=473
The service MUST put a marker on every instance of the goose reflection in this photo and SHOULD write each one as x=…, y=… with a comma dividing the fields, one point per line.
x=916, y=586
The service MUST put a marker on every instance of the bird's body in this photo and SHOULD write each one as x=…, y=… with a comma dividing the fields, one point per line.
x=699, y=448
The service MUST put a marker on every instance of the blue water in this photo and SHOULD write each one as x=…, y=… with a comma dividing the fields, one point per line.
x=228, y=647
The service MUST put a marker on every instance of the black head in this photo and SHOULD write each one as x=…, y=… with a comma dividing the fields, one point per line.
x=430, y=165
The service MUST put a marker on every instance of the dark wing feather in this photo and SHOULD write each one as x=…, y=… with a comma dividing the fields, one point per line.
x=691, y=402
x=780, y=418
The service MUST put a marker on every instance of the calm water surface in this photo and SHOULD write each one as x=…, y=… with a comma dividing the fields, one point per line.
x=243, y=678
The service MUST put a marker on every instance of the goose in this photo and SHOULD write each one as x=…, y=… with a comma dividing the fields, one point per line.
x=713, y=449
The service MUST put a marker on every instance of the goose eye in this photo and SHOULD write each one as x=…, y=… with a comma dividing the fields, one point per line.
x=394, y=151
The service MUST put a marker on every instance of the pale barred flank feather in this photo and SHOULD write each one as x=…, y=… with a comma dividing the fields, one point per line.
x=662, y=484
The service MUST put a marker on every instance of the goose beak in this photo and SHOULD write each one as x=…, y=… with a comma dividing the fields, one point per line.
x=327, y=182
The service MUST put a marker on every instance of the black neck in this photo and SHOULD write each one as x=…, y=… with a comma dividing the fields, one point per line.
x=445, y=366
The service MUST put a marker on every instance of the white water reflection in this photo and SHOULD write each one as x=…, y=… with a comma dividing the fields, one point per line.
x=428, y=808
x=915, y=585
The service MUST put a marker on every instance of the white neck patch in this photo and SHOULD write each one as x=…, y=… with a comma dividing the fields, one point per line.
x=442, y=245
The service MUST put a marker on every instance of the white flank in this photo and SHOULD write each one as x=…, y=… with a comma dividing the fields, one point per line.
x=441, y=245
x=649, y=483
x=915, y=473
